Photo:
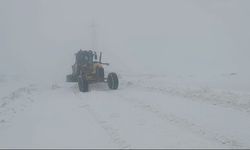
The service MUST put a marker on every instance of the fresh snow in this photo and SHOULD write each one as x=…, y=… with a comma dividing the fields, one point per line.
x=183, y=69
x=147, y=111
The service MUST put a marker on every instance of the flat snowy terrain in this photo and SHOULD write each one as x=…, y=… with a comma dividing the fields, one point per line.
x=147, y=111
x=183, y=69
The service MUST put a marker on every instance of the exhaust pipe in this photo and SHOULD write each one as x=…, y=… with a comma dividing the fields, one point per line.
x=100, y=57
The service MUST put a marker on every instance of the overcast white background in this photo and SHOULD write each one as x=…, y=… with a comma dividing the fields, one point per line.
x=161, y=36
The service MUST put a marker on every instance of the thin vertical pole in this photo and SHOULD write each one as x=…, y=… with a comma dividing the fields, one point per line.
x=94, y=35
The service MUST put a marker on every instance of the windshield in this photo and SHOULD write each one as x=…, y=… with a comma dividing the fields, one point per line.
x=84, y=58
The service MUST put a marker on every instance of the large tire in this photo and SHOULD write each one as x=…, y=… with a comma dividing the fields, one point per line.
x=100, y=74
x=71, y=78
x=83, y=84
x=113, y=81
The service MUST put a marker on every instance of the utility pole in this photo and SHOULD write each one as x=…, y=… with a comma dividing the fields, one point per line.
x=94, y=35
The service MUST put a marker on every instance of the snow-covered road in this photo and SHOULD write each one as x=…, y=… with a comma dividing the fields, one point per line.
x=146, y=112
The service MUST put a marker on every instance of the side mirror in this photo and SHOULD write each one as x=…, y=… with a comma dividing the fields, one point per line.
x=95, y=57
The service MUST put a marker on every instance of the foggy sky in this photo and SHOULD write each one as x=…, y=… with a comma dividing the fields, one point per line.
x=40, y=37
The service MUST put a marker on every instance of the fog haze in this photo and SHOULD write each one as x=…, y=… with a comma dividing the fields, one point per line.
x=179, y=74
x=163, y=36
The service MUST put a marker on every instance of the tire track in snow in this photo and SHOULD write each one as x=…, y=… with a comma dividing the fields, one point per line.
x=221, y=98
x=16, y=101
x=174, y=120
x=229, y=99
x=112, y=132
x=183, y=123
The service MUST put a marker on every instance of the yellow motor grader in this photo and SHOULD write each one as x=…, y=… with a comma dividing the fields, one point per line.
x=87, y=69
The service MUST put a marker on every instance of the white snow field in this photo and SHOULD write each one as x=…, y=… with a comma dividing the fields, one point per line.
x=183, y=67
x=147, y=111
